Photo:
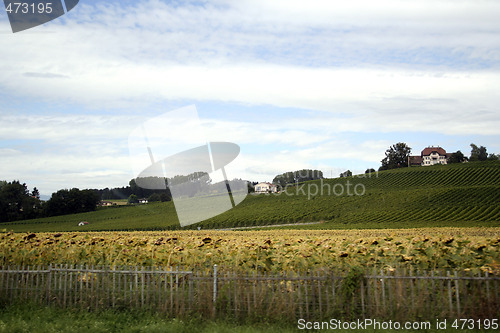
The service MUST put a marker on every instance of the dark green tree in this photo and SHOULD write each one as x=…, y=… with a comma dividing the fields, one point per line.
x=251, y=186
x=371, y=170
x=89, y=200
x=347, y=173
x=35, y=193
x=71, y=201
x=493, y=157
x=154, y=197
x=396, y=156
x=16, y=203
x=478, y=153
x=456, y=157
x=133, y=199
x=164, y=196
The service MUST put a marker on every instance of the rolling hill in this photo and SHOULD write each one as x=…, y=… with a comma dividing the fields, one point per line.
x=443, y=195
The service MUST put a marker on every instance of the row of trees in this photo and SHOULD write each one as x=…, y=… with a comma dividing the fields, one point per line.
x=156, y=188
x=124, y=192
x=71, y=202
x=298, y=176
x=18, y=203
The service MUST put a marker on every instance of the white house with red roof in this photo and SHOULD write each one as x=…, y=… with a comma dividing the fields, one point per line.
x=430, y=156
x=266, y=188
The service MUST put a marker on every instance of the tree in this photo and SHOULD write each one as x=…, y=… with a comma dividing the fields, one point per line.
x=165, y=197
x=347, y=173
x=493, y=157
x=133, y=199
x=251, y=186
x=16, y=203
x=371, y=170
x=456, y=157
x=89, y=200
x=154, y=197
x=35, y=193
x=396, y=156
x=297, y=177
x=71, y=201
x=478, y=153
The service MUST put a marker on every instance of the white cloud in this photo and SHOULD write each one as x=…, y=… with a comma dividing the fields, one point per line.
x=419, y=96
x=360, y=67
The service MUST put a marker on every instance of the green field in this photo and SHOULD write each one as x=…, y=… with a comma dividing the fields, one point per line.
x=457, y=195
x=36, y=319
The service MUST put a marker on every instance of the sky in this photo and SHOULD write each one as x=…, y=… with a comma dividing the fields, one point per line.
x=326, y=85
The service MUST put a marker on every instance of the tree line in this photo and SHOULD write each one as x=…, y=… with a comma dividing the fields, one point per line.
x=18, y=203
x=294, y=177
x=161, y=193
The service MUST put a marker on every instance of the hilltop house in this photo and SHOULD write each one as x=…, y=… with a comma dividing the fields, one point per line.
x=266, y=188
x=429, y=156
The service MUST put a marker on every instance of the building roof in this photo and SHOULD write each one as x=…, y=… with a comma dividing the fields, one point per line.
x=429, y=150
x=415, y=160
x=265, y=183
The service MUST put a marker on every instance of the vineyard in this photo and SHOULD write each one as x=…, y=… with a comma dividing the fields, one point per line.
x=458, y=195
x=471, y=249
x=453, y=195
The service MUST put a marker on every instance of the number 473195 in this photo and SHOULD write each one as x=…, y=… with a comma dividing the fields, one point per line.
x=29, y=8
x=471, y=324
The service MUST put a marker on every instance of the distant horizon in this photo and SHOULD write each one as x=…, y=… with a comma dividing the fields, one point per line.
x=46, y=196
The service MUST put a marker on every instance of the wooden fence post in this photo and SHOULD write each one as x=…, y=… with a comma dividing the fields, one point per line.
x=457, y=294
x=215, y=289
x=450, y=299
x=49, y=281
x=382, y=279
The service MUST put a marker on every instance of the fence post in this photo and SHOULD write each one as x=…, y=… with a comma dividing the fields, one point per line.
x=363, y=299
x=488, y=288
x=382, y=280
x=457, y=294
x=450, y=299
x=215, y=287
x=49, y=282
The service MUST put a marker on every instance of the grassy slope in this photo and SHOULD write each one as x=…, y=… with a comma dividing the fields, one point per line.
x=452, y=195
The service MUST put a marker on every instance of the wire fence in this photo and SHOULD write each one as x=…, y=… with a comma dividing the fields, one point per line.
x=177, y=292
